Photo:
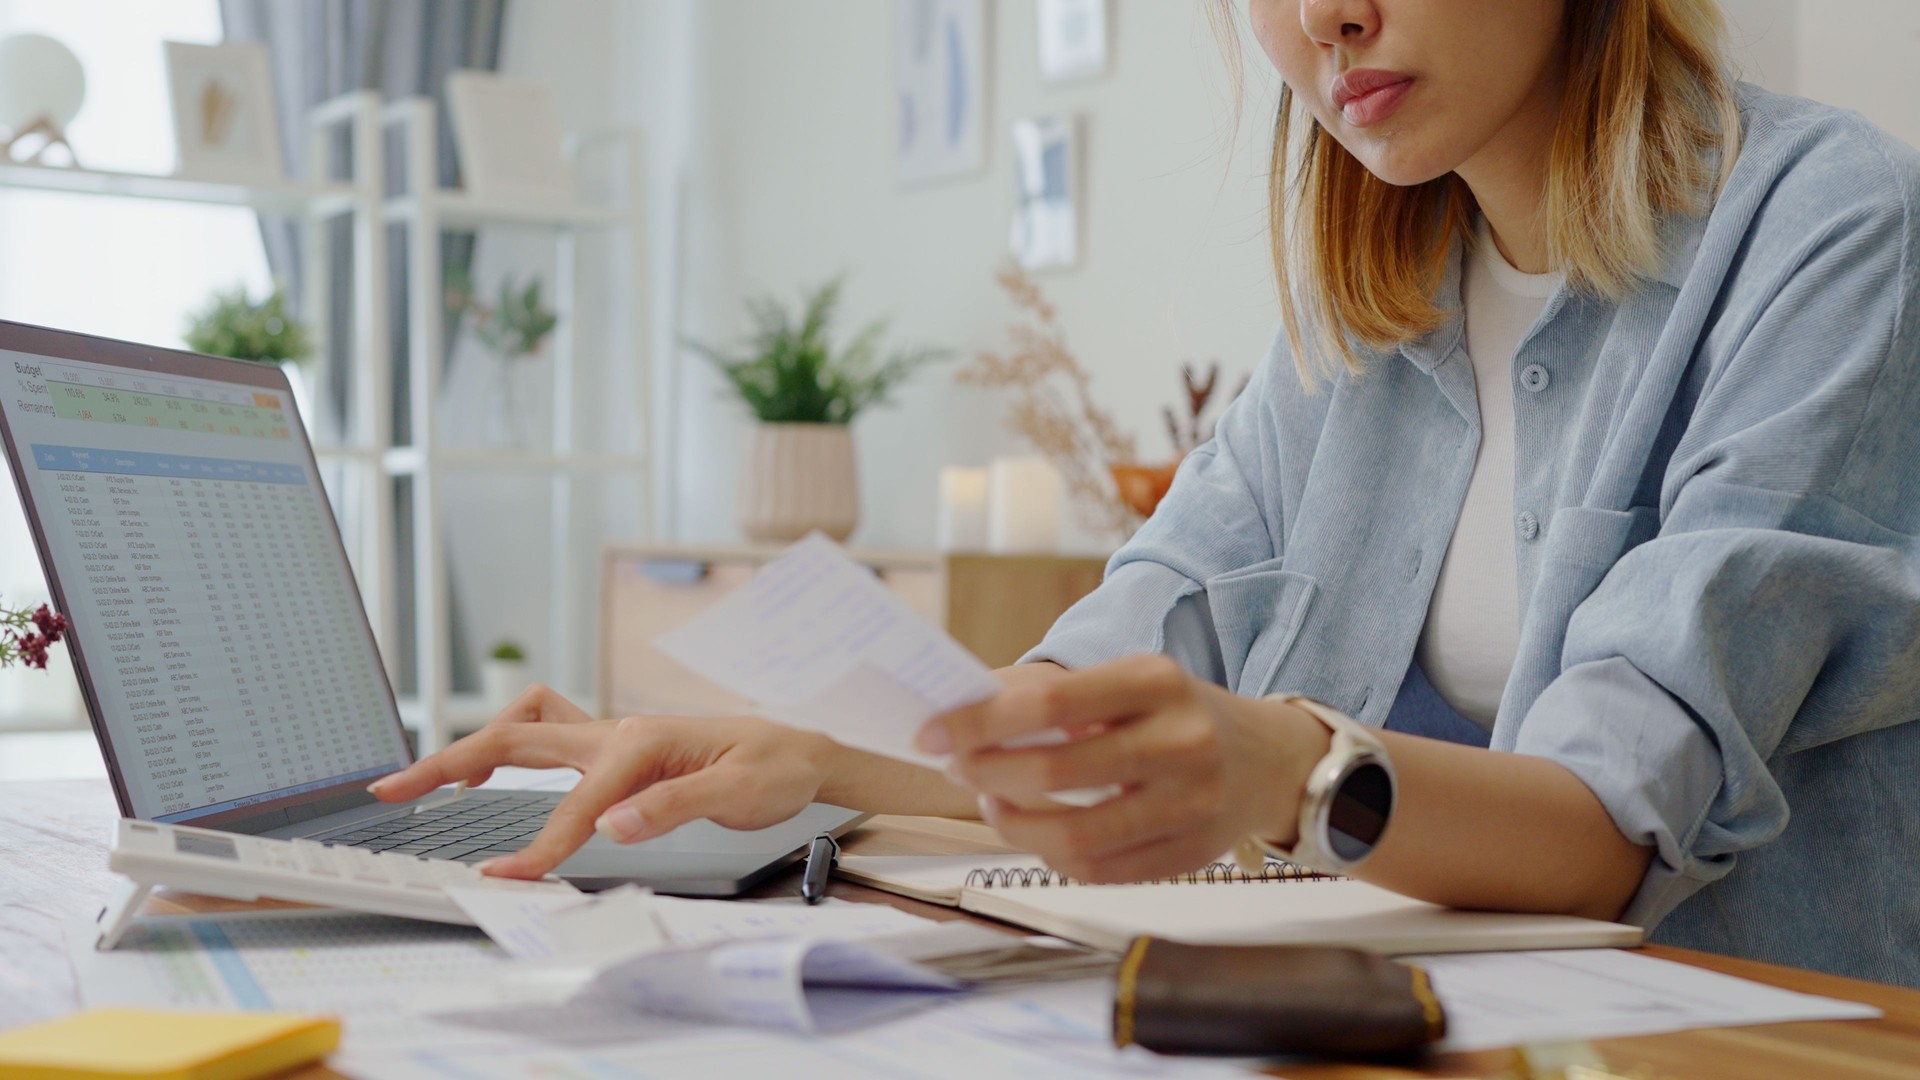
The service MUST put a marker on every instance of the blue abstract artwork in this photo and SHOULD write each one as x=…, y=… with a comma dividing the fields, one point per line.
x=940, y=78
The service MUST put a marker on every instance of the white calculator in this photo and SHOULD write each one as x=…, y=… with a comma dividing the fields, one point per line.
x=242, y=867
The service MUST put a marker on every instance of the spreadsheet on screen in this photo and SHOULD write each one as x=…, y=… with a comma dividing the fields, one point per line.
x=221, y=633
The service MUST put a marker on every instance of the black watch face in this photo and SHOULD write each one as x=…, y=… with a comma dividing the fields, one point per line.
x=1359, y=812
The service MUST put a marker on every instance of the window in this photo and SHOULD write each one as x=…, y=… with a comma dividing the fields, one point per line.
x=123, y=268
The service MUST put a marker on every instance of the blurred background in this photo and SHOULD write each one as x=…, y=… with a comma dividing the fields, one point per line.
x=544, y=272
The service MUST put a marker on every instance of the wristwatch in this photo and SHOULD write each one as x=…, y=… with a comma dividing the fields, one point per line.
x=1347, y=799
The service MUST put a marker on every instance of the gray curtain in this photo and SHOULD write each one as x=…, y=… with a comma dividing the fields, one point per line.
x=320, y=49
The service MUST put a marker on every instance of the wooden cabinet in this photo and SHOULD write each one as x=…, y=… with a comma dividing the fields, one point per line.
x=998, y=606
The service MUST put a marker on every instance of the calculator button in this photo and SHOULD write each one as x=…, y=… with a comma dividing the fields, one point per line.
x=453, y=873
x=417, y=872
x=315, y=858
x=359, y=865
x=267, y=853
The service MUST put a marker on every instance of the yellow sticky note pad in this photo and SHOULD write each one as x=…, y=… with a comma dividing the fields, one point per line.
x=125, y=1044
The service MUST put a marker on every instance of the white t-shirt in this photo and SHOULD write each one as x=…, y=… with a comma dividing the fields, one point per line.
x=1473, y=624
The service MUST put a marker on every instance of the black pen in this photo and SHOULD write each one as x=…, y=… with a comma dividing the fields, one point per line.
x=820, y=856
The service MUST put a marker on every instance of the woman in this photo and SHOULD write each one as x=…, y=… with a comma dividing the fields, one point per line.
x=1578, y=476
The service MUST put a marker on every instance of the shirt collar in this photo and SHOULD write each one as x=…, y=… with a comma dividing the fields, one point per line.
x=1680, y=235
x=1428, y=350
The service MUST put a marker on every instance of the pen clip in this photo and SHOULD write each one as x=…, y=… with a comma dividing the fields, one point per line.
x=833, y=849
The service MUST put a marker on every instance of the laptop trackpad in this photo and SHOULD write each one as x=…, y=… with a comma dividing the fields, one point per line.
x=704, y=859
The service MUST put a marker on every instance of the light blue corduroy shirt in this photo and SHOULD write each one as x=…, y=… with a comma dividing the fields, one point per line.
x=1716, y=498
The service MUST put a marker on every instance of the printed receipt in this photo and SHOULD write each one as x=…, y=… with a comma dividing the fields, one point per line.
x=817, y=642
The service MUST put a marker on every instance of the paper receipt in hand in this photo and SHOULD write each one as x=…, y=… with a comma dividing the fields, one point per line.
x=817, y=642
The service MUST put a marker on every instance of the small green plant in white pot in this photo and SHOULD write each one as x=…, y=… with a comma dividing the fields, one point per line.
x=504, y=674
x=799, y=473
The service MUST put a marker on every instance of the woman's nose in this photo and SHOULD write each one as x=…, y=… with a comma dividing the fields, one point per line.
x=1339, y=22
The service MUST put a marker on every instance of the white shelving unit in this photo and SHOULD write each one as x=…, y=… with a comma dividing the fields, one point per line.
x=425, y=211
x=365, y=462
x=312, y=202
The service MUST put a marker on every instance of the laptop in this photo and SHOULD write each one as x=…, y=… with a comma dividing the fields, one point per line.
x=226, y=659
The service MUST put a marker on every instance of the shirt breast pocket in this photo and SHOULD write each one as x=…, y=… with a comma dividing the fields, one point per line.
x=1583, y=544
x=1257, y=611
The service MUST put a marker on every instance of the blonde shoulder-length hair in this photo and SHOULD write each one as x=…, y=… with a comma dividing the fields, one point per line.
x=1649, y=125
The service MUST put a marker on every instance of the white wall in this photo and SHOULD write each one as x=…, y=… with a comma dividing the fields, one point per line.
x=1858, y=54
x=788, y=179
x=1865, y=55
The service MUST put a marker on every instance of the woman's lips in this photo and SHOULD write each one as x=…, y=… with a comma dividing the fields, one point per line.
x=1366, y=96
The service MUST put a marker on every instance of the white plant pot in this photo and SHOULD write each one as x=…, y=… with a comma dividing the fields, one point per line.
x=502, y=680
x=797, y=478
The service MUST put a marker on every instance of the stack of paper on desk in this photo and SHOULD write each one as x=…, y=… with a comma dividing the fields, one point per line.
x=1313, y=911
x=421, y=1000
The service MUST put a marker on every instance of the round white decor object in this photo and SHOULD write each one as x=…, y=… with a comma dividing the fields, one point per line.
x=40, y=79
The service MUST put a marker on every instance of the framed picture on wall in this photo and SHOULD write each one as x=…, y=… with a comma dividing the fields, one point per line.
x=224, y=123
x=1046, y=216
x=1073, y=39
x=940, y=73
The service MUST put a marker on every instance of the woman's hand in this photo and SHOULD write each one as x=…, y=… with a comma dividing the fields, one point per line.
x=1197, y=767
x=640, y=777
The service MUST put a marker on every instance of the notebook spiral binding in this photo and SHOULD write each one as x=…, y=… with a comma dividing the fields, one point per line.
x=1220, y=873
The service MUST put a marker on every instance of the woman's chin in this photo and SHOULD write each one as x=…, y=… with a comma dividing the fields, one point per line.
x=1397, y=166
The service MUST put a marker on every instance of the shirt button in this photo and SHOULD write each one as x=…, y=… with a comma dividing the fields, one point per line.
x=1528, y=524
x=1534, y=377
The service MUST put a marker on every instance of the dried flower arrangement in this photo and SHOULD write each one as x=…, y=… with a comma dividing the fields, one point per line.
x=1142, y=486
x=1053, y=406
x=1187, y=434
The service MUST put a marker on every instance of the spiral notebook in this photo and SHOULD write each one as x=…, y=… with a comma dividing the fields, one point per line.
x=1221, y=905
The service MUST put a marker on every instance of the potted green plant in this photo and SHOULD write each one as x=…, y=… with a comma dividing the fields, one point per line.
x=799, y=474
x=504, y=674
x=234, y=325
x=514, y=328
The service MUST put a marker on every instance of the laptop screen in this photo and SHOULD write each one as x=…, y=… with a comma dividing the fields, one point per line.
x=224, y=650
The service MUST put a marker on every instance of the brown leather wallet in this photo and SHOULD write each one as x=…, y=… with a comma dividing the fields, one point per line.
x=1271, y=999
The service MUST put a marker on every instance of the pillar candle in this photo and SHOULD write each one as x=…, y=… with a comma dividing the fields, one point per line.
x=1023, y=505
x=961, y=522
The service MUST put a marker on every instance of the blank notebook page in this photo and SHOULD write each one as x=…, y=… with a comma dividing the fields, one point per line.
x=1317, y=912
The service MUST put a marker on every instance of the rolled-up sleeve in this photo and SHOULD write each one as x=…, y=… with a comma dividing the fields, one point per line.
x=1778, y=607
x=1650, y=763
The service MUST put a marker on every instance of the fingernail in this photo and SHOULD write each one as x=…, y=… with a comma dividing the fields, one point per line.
x=482, y=866
x=620, y=823
x=374, y=788
x=933, y=739
x=986, y=810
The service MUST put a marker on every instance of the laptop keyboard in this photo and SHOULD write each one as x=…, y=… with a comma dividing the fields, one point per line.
x=465, y=829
